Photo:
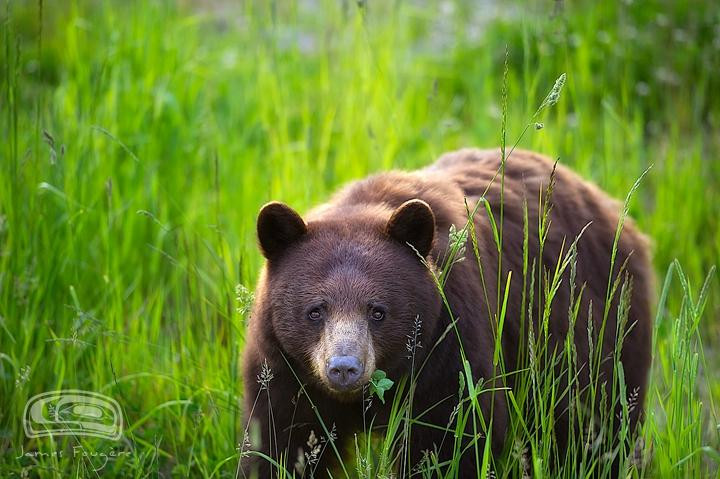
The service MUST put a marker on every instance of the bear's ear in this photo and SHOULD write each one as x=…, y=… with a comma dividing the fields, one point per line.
x=278, y=226
x=413, y=223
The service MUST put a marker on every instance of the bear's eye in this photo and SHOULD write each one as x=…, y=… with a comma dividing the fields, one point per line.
x=314, y=314
x=377, y=314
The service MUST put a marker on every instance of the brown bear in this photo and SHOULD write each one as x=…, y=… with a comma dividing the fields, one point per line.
x=343, y=289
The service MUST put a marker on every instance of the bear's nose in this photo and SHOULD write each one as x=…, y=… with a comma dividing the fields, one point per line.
x=344, y=372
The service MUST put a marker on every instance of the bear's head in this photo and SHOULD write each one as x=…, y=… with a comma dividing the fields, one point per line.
x=344, y=291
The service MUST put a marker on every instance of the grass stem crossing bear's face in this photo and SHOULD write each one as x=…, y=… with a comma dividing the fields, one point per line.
x=344, y=290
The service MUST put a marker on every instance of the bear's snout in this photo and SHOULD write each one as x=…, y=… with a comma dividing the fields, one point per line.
x=344, y=356
x=344, y=372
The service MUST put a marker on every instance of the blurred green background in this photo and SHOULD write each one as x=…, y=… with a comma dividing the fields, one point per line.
x=139, y=139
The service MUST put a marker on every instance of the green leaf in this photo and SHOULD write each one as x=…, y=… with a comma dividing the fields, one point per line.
x=379, y=383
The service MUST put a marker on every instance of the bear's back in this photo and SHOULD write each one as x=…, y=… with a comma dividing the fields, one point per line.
x=576, y=208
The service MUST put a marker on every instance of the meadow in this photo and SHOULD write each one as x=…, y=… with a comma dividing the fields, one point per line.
x=138, y=141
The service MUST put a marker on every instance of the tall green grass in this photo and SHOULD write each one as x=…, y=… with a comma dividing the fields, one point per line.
x=140, y=139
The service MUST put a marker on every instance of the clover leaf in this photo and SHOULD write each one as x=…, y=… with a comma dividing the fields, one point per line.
x=379, y=383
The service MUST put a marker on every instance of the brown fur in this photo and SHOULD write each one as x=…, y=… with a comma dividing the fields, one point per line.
x=350, y=252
